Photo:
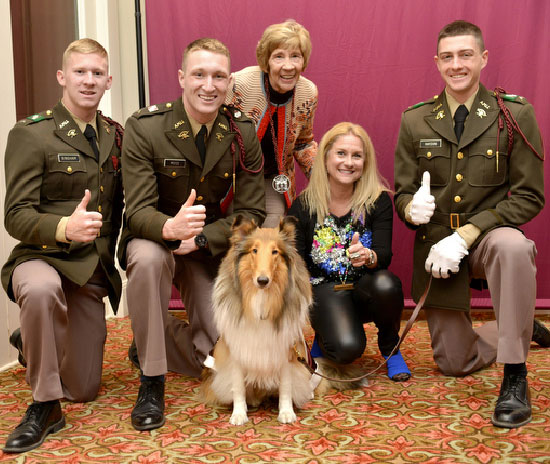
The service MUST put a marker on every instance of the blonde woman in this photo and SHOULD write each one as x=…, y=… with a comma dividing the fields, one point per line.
x=282, y=104
x=344, y=234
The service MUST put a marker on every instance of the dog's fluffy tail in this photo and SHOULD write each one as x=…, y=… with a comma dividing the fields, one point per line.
x=338, y=371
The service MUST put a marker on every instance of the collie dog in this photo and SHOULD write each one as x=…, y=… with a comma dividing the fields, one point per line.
x=261, y=300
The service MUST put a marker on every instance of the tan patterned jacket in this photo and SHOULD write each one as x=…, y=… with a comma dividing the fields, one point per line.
x=248, y=94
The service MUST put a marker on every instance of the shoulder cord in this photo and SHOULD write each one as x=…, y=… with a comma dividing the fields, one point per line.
x=511, y=125
x=119, y=131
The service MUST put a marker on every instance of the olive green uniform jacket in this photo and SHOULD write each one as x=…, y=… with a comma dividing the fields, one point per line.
x=48, y=164
x=161, y=165
x=475, y=181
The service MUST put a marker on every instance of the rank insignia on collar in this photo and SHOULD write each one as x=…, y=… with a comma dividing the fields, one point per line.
x=63, y=123
x=440, y=115
x=219, y=136
x=71, y=133
x=485, y=105
x=222, y=125
x=179, y=123
x=481, y=112
x=437, y=107
x=237, y=114
x=183, y=135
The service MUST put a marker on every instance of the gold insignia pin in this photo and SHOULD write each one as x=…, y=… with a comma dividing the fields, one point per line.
x=219, y=136
x=183, y=135
x=63, y=123
x=485, y=105
x=179, y=123
x=437, y=107
x=440, y=115
x=71, y=133
x=222, y=125
x=481, y=112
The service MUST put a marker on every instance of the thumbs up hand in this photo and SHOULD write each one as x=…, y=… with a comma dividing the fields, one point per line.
x=187, y=223
x=423, y=203
x=83, y=226
x=358, y=254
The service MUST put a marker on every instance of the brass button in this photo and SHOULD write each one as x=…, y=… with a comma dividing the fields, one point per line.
x=49, y=112
x=199, y=198
x=100, y=169
x=429, y=154
x=173, y=173
x=423, y=237
x=69, y=169
x=226, y=174
x=489, y=152
x=99, y=208
x=459, y=177
x=168, y=105
x=460, y=155
x=44, y=247
x=457, y=199
x=202, y=179
x=101, y=188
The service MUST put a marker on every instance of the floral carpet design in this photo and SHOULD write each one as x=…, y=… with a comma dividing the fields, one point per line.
x=428, y=419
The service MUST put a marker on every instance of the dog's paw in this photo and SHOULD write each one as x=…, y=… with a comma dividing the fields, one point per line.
x=238, y=418
x=286, y=416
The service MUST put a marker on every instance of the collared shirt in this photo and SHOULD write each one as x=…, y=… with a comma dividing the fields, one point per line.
x=196, y=126
x=453, y=104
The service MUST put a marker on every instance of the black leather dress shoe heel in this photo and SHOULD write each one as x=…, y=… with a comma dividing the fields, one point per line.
x=148, y=412
x=133, y=355
x=40, y=420
x=541, y=335
x=17, y=342
x=513, y=407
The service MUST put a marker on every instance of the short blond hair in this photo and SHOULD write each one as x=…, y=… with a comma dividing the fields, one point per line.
x=84, y=46
x=285, y=35
x=367, y=189
x=208, y=44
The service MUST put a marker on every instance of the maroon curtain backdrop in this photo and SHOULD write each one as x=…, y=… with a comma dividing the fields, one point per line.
x=371, y=60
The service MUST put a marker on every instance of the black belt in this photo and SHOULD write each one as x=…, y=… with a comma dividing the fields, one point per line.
x=452, y=220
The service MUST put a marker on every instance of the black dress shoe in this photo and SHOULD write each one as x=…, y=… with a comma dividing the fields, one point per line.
x=39, y=420
x=17, y=342
x=541, y=335
x=513, y=407
x=133, y=355
x=148, y=412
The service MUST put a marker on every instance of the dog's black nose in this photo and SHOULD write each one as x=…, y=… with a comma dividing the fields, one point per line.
x=262, y=281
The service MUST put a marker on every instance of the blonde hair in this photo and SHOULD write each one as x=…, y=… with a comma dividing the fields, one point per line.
x=367, y=189
x=208, y=44
x=285, y=35
x=84, y=46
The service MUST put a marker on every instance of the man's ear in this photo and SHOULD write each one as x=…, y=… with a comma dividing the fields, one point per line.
x=181, y=77
x=60, y=77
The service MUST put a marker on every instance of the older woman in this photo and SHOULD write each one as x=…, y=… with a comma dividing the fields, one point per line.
x=282, y=103
x=344, y=234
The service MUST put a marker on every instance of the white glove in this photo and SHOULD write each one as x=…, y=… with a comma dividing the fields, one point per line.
x=446, y=255
x=422, y=204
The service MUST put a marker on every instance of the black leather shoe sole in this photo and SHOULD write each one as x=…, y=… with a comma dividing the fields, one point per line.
x=510, y=425
x=148, y=426
x=133, y=355
x=51, y=429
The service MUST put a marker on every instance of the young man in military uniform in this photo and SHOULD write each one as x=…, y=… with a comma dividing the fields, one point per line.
x=486, y=181
x=183, y=164
x=64, y=204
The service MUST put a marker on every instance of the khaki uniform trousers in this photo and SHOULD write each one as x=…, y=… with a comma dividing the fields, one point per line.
x=506, y=259
x=63, y=331
x=164, y=342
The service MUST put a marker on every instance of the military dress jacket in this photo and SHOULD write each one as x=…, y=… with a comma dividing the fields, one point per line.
x=48, y=165
x=161, y=164
x=475, y=181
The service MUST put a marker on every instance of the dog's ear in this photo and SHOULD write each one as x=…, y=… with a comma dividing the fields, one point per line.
x=242, y=226
x=287, y=227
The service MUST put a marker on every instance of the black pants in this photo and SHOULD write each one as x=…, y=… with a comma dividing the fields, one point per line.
x=338, y=316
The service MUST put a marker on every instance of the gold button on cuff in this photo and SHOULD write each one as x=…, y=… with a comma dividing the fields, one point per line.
x=69, y=169
x=174, y=174
x=460, y=155
x=457, y=199
x=100, y=169
x=226, y=174
x=44, y=247
x=202, y=179
x=489, y=152
x=423, y=237
x=459, y=177
x=99, y=208
x=199, y=198
x=429, y=154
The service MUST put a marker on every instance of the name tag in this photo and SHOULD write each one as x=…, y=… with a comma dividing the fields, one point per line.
x=68, y=158
x=175, y=163
x=430, y=143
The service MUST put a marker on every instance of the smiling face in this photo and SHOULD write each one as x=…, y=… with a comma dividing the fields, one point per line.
x=84, y=78
x=345, y=161
x=204, y=81
x=285, y=67
x=460, y=61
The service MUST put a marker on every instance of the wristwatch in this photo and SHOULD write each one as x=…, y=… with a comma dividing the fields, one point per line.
x=201, y=241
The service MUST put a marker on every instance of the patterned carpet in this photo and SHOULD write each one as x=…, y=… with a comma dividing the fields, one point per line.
x=429, y=419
